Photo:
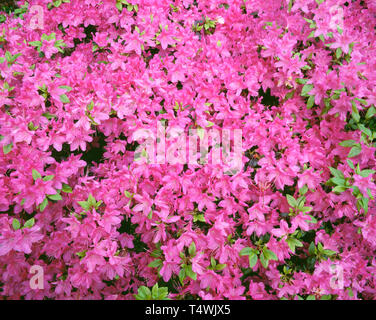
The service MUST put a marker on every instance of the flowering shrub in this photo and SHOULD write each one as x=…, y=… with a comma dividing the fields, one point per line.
x=78, y=79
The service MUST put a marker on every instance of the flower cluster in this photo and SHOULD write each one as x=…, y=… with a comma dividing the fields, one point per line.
x=78, y=78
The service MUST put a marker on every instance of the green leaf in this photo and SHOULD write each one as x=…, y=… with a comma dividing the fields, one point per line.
x=362, y=101
x=312, y=34
x=365, y=130
x=369, y=193
x=269, y=255
x=192, y=249
x=182, y=275
x=351, y=164
x=162, y=293
x=338, y=181
x=66, y=188
x=199, y=217
x=362, y=203
x=252, y=260
x=312, y=248
x=366, y=173
x=312, y=220
x=339, y=189
x=290, y=5
x=156, y=253
x=306, y=209
x=300, y=203
x=16, y=224
x=370, y=112
x=338, y=53
x=306, y=88
x=154, y=292
x=98, y=204
x=57, y=3
x=48, y=178
x=220, y=267
x=348, y=143
x=355, y=114
x=84, y=205
x=264, y=261
x=155, y=264
x=289, y=95
x=337, y=173
x=329, y=252
x=29, y=223
x=356, y=150
x=303, y=190
x=49, y=115
x=310, y=102
x=8, y=56
x=54, y=197
x=91, y=200
x=64, y=98
x=7, y=148
x=31, y=126
x=36, y=175
x=144, y=293
x=357, y=169
x=119, y=6
x=50, y=37
x=35, y=43
x=43, y=205
x=246, y=251
x=68, y=88
x=291, y=200
x=356, y=191
x=190, y=273
x=292, y=243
